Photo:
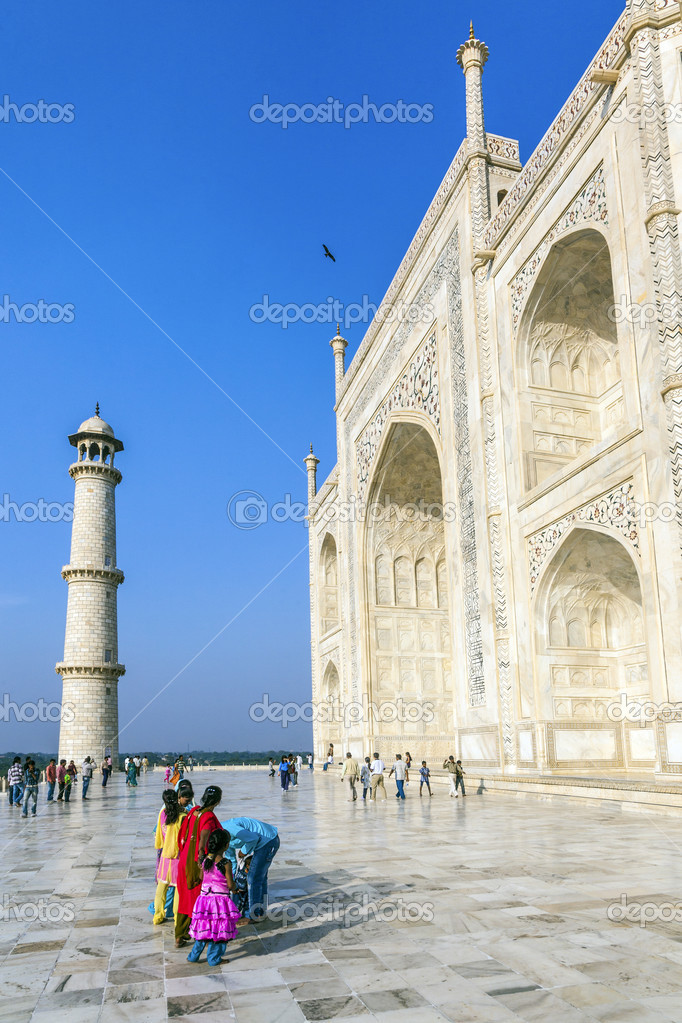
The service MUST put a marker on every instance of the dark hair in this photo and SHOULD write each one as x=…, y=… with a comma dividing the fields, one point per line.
x=423, y=762
x=212, y=796
x=367, y=760
x=218, y=842
x=185, y=789
x=171, y=805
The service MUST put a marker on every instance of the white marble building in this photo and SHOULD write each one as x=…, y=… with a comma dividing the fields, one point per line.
x=523, y=378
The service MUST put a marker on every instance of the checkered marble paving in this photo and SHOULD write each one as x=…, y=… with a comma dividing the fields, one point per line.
x=489, y=908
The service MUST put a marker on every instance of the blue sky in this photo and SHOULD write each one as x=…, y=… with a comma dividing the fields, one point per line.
x=197, y=212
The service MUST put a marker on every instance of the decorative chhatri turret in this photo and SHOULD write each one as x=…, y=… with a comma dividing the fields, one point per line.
x=90, y=669
x=311, y=464
x=339, y=345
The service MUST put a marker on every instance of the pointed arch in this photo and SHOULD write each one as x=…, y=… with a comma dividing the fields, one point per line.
x=569, y=357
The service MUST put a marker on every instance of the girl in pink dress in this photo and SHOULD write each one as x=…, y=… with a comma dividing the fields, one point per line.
x=214, y=919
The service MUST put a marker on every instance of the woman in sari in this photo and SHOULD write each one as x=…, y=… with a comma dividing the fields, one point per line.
x=131, y=778
x=192, y=838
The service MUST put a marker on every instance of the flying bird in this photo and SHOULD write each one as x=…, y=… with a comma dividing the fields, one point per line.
x=327, y=253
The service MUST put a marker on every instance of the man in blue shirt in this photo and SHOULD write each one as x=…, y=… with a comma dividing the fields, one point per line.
x=260, y=840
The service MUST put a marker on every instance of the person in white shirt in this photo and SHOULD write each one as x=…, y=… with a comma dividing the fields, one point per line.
x=299, y=763
x=310, y=761
x=400, y=771
x=377, y=772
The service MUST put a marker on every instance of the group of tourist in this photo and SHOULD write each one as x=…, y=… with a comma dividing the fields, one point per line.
x=23, y=780
x=289, y=769
x=132, y=767
x=211, y=876
x=371, y=776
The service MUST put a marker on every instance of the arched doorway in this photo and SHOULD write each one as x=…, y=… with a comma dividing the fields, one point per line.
x=571, y=387
x=330, y=730
x=406, y=589
x=589, y=627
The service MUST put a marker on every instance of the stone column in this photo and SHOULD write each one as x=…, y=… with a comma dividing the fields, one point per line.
x=472, y=57
x=339, y=345
x=90, y=669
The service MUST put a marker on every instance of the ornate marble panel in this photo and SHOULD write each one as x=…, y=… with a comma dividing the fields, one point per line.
x=616, y=509
x=415, y=391
x=589, y=205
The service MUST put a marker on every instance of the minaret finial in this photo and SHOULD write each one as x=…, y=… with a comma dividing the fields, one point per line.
x=338, y=330
x=311, y=447
x=471, y=30
x=97, y=409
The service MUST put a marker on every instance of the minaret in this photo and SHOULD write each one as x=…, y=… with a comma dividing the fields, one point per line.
x=339, y=345
x=472, y=57
x=311, y=464
x=90, y=669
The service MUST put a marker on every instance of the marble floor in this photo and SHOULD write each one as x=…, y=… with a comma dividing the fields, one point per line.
x=488, y=909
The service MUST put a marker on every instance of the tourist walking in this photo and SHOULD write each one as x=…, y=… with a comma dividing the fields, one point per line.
x=400, y=770
x=51, y=779
x=214, y=917
x=408, y=760
x=190, y=762
x=168, y=824
x=377, y=768
x=271, y=768
x=137, y=760
x=131, y=777
x=299, y=764
x=293, y=770
x=194, y=832
x=145, y=764
x=460, y=772
x=450, y=766
x=86, y=770
x=284, y=774
x=105, y=772
x=61, y=780
x=424, y=778
x=261, y=841
x=351, y=771
x=365, y=777
x=15, y=777
x=31, y=779
x=310, y=761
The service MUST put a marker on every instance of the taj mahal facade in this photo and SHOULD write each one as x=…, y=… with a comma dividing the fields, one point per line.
x=496, y=557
